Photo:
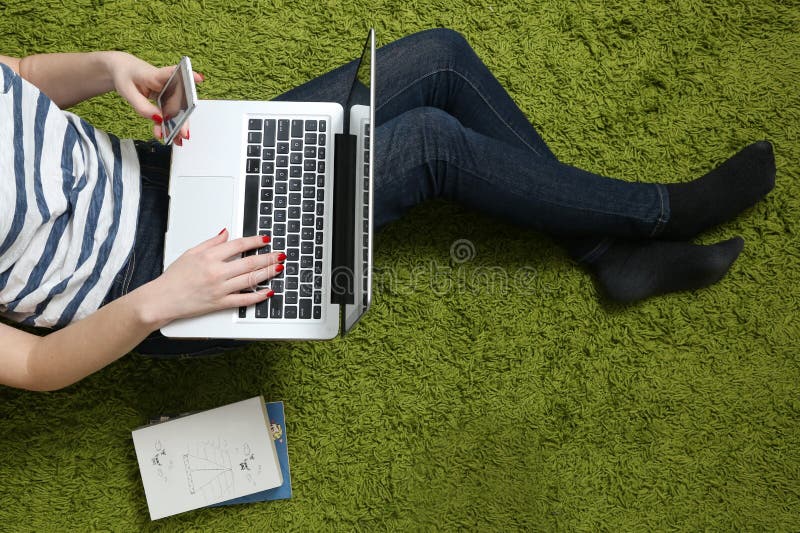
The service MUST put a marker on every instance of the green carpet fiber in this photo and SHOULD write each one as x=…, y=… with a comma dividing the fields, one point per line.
x=498, y=390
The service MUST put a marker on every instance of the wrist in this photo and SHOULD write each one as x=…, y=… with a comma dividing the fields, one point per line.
x=149, y=306
x=106, y=63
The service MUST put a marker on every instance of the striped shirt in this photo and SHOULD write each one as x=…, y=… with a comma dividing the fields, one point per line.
x=69, y=200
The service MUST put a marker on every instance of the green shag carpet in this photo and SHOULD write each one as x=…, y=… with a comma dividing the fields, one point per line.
x=496, y=390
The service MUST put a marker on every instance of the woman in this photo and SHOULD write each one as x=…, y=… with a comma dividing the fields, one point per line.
x=74, y=253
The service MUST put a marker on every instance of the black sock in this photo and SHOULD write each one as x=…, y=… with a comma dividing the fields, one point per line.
x=635, y=270
x=735, y=185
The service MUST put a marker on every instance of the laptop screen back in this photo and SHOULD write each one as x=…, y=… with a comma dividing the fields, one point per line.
x=359, y=117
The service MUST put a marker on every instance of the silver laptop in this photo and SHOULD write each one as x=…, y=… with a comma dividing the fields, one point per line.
x=300, y=172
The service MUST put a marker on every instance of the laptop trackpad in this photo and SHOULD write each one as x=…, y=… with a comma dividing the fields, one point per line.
x=200, y=206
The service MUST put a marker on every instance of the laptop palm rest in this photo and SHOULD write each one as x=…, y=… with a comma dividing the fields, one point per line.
x=200, y=206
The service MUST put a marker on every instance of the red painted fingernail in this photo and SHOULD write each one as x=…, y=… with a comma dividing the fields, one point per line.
x=279, y=268
x=157, y=119
x=265, y=239
x=187, y=135
x=270, y=293
x=221, y=232
x=281, y=257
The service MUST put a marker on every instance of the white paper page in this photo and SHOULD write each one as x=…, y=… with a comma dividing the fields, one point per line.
x=206, y=458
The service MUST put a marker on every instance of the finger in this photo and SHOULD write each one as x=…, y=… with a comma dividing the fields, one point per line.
x=246, y=299
x=253, y=262
x=138, y=101
x=198, y=78
x=251, y=280
x=218, y=239
x=158, y=132
x=239, y=246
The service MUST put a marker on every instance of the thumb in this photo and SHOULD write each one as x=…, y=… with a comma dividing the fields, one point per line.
x=139, y=102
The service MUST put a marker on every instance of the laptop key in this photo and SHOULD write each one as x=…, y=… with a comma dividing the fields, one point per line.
x=308, y=220
x=266, y=194
x=294, y=226
x=305, y=262
x=309, y=165
x=278, y=243
x=254, y=137
x=297, y=128
x=280, y=201
x=305, y=291
x=295, y=171
x=311, y=125
x=283, y=130
x=317, y=267
x=276, y=306
x=291, y=283
x=295, y=185
x=311, y=138
x=305, y=308
x=280, y=215
x=268, y=154
x=297, y=145
x=242, y=312
x=290, y=297
x=267, y=167
x=281, y=188
x=310, y=152
x=282, y=161
x=291, y=268
x=262, y=309
x=309, y=178
x=318, y=238
x=292, y=254
x=320, y=224
x=294, y=212
x=306, y=247
x=321, y=152
x=322, y=125
x=317, y=297
x=290, y=311
x=322, y=139
x=279, y=230
x=254, y=124
x=269, y=132
x=317, y=312
x=295, y=158
x=266, y=181
x=253, y=166
x=283, y=148
x=308, y=206
x=293, y=240
x=276, y=285
x=307, y=233
x=282, y=174
x=250, y=222
x=294, y=198
x=253, y=150
x=308, y=192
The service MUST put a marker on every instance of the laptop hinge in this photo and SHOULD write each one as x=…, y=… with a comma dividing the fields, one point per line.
x=344, y=200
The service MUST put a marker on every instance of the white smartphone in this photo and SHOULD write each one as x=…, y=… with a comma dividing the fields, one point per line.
x=177, y=100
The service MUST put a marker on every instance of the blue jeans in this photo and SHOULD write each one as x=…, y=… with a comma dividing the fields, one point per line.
x=445, y=128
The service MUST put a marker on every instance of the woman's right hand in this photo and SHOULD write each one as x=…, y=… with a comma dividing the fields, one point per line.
x=206, y=279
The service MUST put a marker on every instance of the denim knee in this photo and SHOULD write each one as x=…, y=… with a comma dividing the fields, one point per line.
x=439, y=44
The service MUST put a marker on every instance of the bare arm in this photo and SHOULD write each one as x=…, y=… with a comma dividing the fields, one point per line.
x=70, y=78
x=200, y=281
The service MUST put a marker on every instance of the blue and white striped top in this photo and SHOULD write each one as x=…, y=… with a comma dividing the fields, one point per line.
x=69, y=200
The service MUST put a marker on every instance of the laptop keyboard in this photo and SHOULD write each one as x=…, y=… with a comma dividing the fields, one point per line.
x=367, y=138
x=284, y=198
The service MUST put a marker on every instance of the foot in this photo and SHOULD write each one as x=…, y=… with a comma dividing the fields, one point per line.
x=632, y=271
x=720, y=195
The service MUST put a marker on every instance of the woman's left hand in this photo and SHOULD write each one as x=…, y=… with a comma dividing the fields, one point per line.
x=140, y=83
